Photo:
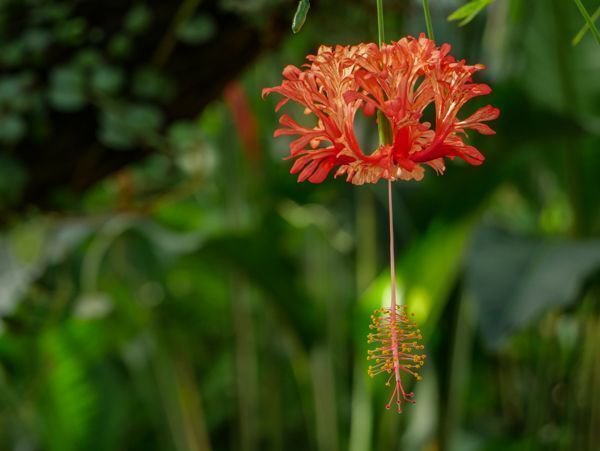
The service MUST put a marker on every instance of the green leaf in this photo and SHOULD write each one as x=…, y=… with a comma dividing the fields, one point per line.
x=143, y=118
x=113, y=130
x=12, y=180
x=88, y=58
x=284, y=296
x=71, y=32
x=515, y=280
x=27, y=242
x=17, y=93
x=138, y=19
x=185, y=136
x=69, y=401
x=13, y=53
x=36, y=40
x=193, y=154
x=50, y=12
x=123, y=126
x=589, y=23
x=12, y=128
x=197, y=30
x=107, y=80
x=468, y=12
x=67, y=89
x=149, y=83
x=120, y=46
x=300, y=16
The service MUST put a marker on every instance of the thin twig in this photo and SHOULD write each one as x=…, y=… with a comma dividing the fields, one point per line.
x=167, y=43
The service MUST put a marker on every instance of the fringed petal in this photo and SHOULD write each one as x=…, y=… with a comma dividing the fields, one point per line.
x=401, y=80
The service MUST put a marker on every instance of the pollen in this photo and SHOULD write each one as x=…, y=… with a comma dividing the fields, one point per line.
x=397, y=351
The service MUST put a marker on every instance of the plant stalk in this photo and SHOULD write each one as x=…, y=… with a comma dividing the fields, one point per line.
x=428, y=22
x=590, y=23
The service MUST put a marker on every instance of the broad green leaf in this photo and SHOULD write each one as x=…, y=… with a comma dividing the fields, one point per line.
x=515, y=280
x=469, y=11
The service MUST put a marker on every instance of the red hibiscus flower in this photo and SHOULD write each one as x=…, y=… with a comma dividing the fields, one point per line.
x=397, y=80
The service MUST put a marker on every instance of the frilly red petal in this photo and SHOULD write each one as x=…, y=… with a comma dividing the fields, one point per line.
x=401, y=80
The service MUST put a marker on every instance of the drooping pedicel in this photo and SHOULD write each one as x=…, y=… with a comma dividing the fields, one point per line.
x=399, y=80
x=397, y=352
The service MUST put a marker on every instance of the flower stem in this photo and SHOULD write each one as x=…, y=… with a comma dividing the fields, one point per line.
x=383, y=126
x=392, y=257
x=428, y=20
x=382, y=141
x=380, y=29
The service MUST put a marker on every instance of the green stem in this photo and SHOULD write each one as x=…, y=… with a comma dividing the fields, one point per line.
x=169, y=40
x=361, y=426
x=588, y=20
x=380, y=30
x=585, y=28
x=383, y=127
x=571, y=150
x=428, y=19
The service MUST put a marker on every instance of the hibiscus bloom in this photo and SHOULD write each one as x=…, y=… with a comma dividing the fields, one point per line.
x=398, y=81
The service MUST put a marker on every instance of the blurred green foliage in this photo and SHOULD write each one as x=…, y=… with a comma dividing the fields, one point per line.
x=201, y=299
